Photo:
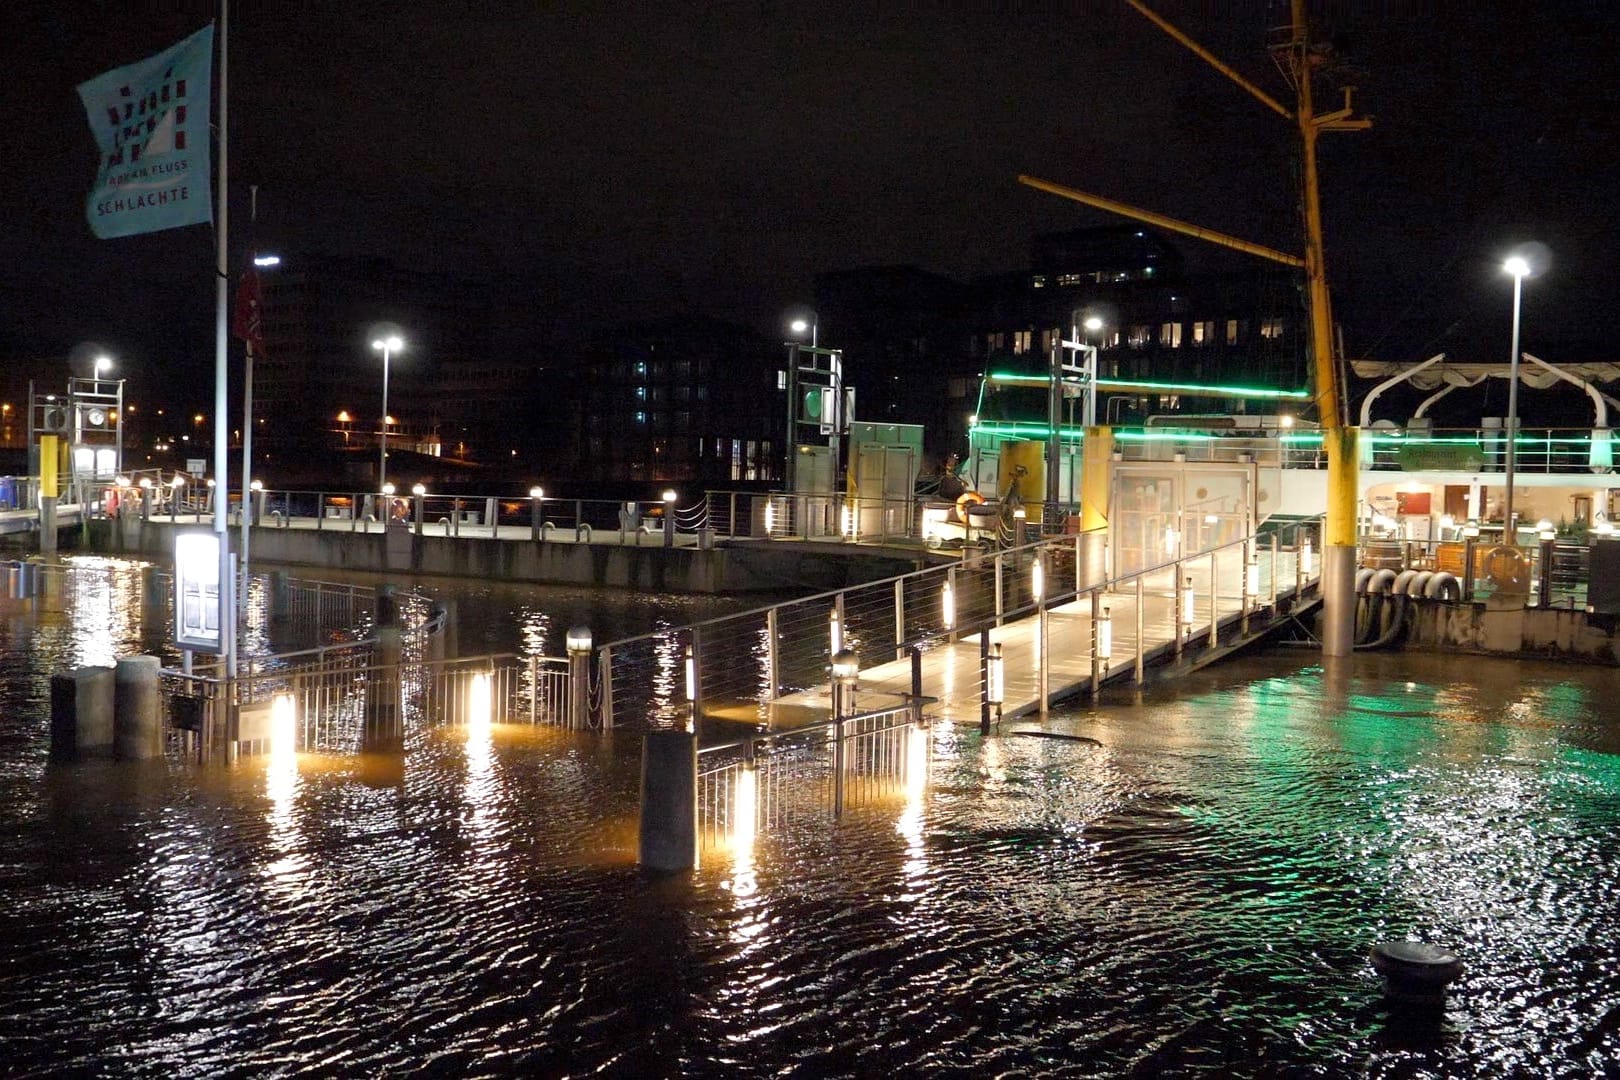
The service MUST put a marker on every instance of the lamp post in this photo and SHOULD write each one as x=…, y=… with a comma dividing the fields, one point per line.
x=1519, y=267
x=669, y=518
x=388, y=346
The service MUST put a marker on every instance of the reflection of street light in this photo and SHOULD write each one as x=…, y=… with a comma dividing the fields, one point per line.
x=388, y=346
x=1519, y=267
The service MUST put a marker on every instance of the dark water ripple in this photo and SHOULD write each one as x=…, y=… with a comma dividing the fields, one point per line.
x=1193, y=897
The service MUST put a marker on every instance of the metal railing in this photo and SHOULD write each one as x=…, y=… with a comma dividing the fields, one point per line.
x=765, y=782
x=1559, y=570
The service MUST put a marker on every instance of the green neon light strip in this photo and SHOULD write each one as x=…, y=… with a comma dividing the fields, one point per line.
x=1154, y=387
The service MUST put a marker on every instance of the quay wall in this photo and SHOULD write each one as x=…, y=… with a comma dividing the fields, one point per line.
x=728, y=568
x=1548, y=633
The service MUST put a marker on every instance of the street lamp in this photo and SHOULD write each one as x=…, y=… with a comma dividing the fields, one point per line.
x=800, y=326
x=1519, y=267
x=103, y=364
x=388, y=346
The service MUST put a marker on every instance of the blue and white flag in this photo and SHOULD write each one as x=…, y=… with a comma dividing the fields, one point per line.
x=150, y=120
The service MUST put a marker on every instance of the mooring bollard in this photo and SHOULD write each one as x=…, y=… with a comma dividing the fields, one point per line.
x=383, y=732
x=280, y=597
x=578, y=643
x=81, y=712
x=137, y=709
x=1415, y=973
x=669, y=770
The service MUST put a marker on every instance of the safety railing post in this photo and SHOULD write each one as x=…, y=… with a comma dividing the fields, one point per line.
x=899, y=618
x=1175, y=612
x=1214, y=600
x=998, y=589
x=773, y=670
x=1274, y=554
x=604, y=671
x=1096, y=645
x=534, y=689
x=1044, y=669
x=1141, y=622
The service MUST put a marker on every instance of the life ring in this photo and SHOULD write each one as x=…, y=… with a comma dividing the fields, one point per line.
x=109, y=502
x=1508, y=570
x=965, y=500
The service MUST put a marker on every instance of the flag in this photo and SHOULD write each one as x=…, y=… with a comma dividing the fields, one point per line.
x=247, y=321
x=150, y=120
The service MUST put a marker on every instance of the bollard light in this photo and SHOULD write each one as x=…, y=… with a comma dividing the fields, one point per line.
x=1105, y=636
x=480, y=709
x=122, y=481
x=210, y=483
x=835, y=634
x=537, y=493
x=1305, y=557
x=846, y=673
x=418, y=489
x=1037, y=579
x=1172, y=538
x=578, y=640
x=1251, y=578
x=770, y=516
x=1187, y=603
x=388, y=488
x=1470, y=529
x=146, y=483
x=669, y=496
x=178, y=481
x=848, y=517
x=745, y=811
x=947, y=606
x=1545, y=530
x=257, y=485
x=1212, y=519
x=995, y=687
x=691, y=675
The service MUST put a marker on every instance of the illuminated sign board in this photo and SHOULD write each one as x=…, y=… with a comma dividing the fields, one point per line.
x=198, y=606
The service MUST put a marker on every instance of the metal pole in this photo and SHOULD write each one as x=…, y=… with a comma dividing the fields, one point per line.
x=1510, y=534
x=1141, y=643
x=227, y=620
x=1214, y=603
x=984, y=681
x=998, y=589
x=1175, y=612
x=382, y=458
x=771, y=658
x=900, y=618
x=1096, y=661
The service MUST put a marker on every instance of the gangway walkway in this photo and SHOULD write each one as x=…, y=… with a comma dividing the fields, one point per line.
x=1058, y=632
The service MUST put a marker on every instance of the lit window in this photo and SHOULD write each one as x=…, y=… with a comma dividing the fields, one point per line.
x=1231, y=331
x=1271, y=329
x=1170, y=335
x=1038, y=281
x=1140, y=336
x=1022, y=339
x=1203, y=333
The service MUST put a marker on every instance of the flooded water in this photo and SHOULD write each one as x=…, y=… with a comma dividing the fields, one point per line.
x=1192, y=893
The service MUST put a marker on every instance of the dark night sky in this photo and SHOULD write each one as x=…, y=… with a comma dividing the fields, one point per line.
x=627, y=159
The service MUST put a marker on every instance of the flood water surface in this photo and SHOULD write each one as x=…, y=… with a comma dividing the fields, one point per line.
x=1192, y=892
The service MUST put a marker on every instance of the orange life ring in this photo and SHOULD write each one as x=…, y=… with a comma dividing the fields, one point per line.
x=109, y=502
x=965, y=500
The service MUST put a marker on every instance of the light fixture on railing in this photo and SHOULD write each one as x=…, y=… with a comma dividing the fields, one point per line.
x=770, y=515
x=1251, y=578
x=1545, y=530
x=835, y=634
x=418, y=490
x=537, y=492
x=1105, y=636
x=848, y=516
x=1037, y=579
x=1187, y=602
x=388, y=488
x=257, y=485
x=1470, y=529
x=691, y=674
x=1172, y=539
x=1305, y=560
x=846, y=673
x=947, y=606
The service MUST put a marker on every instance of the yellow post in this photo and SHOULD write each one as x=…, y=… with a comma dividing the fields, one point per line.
x=1096, y=482
x=50, y=455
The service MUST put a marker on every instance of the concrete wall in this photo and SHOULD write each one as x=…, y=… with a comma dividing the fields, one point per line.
x=756, y=566
x=1552, y=633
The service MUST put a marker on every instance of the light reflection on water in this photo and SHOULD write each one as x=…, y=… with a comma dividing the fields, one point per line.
x=1194, y=895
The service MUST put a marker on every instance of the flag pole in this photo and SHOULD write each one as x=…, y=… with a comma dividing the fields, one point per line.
x=227, y=582
x=247, y=430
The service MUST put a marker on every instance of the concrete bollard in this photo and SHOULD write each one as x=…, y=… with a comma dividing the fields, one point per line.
x=669, y=770
x=47, y=524
x=384, y=732
x=81, y=712
x=1415, y=973
x=137, y=709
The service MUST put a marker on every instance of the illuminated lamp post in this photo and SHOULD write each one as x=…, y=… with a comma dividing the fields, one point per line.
x=1519, y=267
x=669, y=517
x=388, y=346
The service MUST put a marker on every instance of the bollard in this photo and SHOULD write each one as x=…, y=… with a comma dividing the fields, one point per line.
x=81, y=712
x=137, y=709
x=1415, y=973
x=383, y=732
x=669, y=771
